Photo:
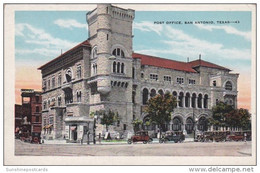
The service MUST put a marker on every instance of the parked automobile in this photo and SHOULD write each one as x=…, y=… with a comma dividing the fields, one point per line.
x=212, y=136
x=172, y=136
x=140, y=136
x=236, y=136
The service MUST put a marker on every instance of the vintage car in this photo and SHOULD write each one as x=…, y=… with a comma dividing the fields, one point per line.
x=141, y=136
x=36, y=138
x=172, y=136
x=236, y=136
x=212, y=136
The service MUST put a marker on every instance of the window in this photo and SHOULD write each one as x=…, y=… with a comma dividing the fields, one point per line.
x=167, y=78
x=214, y=83
x=68, y=97
x=122, y=68
x=118, y=53
x=200, y=101
x=79, y=96
x=228, y=86
x=206, y=101
x=37, y=98
x=79, y=71
x=181, y=96
x=37, y=118
x=180, y=80
x=44, y=85
x=37, y=109
x=118, y=67
x=94, y=53
x=59, y=101
x=187, y=100
x=59, y=79
x=51, y=120
x=142, y=75
x=133, y=72
x=145, y=96
x=192, y=82
x=53, y=102
x=49, y=102
x=193, y=100
x=154, y=77
x=124, y=126
x=114, y=67
x=49, y=84
x=53, y=82
x=44, y=105
x=68, y=75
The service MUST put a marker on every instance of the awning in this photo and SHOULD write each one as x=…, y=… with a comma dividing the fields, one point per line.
x=73, y=127
x=48, y=126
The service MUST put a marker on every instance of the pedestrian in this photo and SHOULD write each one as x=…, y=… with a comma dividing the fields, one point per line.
x=245, y=137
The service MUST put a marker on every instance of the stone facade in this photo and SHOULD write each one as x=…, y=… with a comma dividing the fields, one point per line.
x=104, y=73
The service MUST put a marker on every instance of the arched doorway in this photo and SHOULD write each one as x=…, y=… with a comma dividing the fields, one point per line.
x=189, y=125
x=176, y=124
x=203, y=124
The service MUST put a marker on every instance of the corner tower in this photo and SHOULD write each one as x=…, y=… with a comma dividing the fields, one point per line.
x=110, y=35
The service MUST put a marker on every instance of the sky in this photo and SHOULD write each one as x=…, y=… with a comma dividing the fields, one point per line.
x=40, y=36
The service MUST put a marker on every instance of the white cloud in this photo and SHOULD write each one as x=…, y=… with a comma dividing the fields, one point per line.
x=148, y=27
x=70, y=23
x=42, y=42
x=227, y=29
x=184, y=45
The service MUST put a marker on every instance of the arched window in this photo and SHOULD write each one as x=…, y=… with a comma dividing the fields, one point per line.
x=189, y=125
x=200, y=101
x=206, y=101
x=118, y=67
x=114, y=67
x=68, y=75
x=118, y=53
x=145, y=96
x=193, y=100
x=174, y=93
x=176, y=124
x=187, y=100
x=94, y=53
x=181, y=99
x=153, y=93
x=228, y=86
x=161, y=92
x=79, y=96
x=122, y=68
x=133, y=73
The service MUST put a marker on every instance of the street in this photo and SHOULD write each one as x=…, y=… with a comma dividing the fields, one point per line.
x=139, y=149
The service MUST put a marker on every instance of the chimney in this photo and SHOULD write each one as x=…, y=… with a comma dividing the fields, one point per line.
x=188, y=60
x=199, y=56
x=61, y=52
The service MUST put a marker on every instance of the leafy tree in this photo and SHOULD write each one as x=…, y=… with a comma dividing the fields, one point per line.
x=108, y=117
x=160, y=109
x=226, y=115
x=136, y=123
x=220, y=112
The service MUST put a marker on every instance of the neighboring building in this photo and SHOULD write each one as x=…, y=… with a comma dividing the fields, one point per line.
x=103, y=72
x=29, y=113
x=18, y=117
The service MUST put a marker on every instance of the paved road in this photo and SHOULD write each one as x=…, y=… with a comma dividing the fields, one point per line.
x=170, y=149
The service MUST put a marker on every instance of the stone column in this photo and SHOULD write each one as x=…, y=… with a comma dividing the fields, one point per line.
x=190, y=102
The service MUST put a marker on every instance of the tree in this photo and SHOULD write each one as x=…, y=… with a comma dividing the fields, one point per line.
x=160, y=108
x=136, y=123
x=108, y=117
x=226, y=115
x=239, y=118
x=219, y=114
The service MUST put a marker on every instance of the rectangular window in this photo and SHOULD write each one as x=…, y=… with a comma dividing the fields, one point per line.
x=142, y=75
x=49, y=84
x=124, y=126
x=37, y=99
x=44, y=86
x=154, y=77
x=51, y=120
x=167, y=78
x=37, y=109
x=214, y=83
x=44, y=105
x=37, y=118
x=180, y=80
x=192, y=82
x=79, y=96
x=59, y=80
x=59, y=101
x=44, y=122
x=53, y=82
x=79, y=71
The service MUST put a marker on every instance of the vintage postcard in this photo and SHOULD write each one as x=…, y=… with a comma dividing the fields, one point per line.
x=130, y=84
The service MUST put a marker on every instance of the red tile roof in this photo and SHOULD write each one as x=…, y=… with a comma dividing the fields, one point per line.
x=84, y=43
x=175, y=65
